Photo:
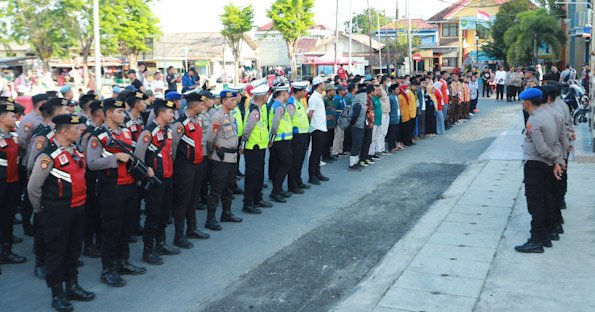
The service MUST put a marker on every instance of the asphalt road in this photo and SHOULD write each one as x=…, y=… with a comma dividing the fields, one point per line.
x=300, y=256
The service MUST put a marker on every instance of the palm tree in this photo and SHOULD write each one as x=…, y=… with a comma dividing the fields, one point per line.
x=531, y=30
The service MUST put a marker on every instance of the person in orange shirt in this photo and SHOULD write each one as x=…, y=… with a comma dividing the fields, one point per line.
x=408, y=102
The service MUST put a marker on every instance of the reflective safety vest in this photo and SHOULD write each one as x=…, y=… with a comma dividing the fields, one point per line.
x=237, y=116
x=65, y=186
x=120, y=175
x=9, y=154
x=285, y=130
x=159, y=155
x=260, y=134
x=300, y=121
x=190, y=145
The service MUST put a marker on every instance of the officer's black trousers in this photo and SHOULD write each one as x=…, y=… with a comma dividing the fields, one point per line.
x=118, y=212
x=159, y=201
x=254, y=174
x=347, y=141
x=92, y=213
x=499, y=91
x=26, y=208
x=206, y=178
x=299, y=148
x=281, y=153
x=538, y=191
x=9, y=199
x=187, y=184
x=223, y=177
x=38, y=240
x=63, y=235
x=318, y=143
x=357, y=137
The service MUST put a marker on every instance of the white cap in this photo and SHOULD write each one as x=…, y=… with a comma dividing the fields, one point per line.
x=317, y=80
x=260, y=90
x=236, y=88
x=258, y=82
x=301, y=85
x=281, y=87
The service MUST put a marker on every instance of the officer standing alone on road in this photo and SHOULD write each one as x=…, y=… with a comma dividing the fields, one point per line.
x=540, y=161
x=222, y=143
x=57, y=190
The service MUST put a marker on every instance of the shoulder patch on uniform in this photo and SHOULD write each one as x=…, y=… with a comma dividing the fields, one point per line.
x=94, y=142
x=39, y=143
x=147, y=138
x=27, y=127
x=216, y=127
x=180, y=129
x=44, y=164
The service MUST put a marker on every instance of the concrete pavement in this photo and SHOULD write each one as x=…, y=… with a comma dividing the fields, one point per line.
x=460, y=257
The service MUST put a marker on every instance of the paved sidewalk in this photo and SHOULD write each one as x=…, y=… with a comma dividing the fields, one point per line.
x=460, y=256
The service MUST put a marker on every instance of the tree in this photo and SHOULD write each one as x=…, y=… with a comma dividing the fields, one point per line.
x=293, y=19
x=532, y=29
x=505, y=18
x=236, y=21
x=361, y=24
x=38, y=23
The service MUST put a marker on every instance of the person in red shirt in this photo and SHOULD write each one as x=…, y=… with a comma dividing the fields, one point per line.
x=342, y=73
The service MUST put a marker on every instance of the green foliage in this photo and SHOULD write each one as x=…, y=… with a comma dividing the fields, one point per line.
x=236, y=21
x=554, y=7
x=293, y=19
x=135, y=24
x=401, y=45
x=361, y=24
x=531, y=30
x=505, y=18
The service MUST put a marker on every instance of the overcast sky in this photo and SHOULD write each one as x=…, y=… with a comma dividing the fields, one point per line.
x=203, y=15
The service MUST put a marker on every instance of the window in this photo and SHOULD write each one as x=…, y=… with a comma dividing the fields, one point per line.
x=449, y=61
x=483, y=32
x=450, y=30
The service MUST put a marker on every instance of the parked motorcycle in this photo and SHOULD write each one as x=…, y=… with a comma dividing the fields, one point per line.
x=578, y=101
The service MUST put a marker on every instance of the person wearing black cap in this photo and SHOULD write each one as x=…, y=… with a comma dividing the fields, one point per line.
x=57, y=191
x=9, y=182
x=541, y=160
x=92, y=239
x=117, y=192
x=25, y=131
x=155, y=149
x=84, y=102
x=222, y=143
x=134, y=82
x=187, y=152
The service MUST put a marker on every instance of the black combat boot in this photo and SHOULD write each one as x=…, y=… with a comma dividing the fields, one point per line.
x=249, y=208
x=263, y=204
x=110, y=275
x=163, y=249
x=127, y=268
x=59, y=300
x=8, y=257
x=39, y=269
x=227, y=216
x=180, y=239
x=76, y=292
x=531, y=246
x=212, y=223
x=150, y=256
x=92, y=251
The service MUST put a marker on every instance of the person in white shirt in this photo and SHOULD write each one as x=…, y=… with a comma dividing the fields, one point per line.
x=317, y=115
x=500, y=82
x=158, y=85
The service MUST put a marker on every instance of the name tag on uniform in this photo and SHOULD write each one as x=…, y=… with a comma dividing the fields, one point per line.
x=169, y=135
x=63, y=159
x=191, y=126
x=3, y=143
x=133, y=128
x=159, y=136
x=126, y=135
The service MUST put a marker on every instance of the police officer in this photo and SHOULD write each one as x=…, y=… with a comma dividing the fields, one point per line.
x=281, y=133
x=42, y=137
x=117, y=191
x=301, y=136
x=171, y=96
x=57, y=190
x=238, y=116
x=205, y=119
x=25, y=131
x=188, y=165
x=254, y=143
x=9, y=182
x=540, y=161
x=155, y=149
x=222, y=142
x=530, y=82
x=92, y=239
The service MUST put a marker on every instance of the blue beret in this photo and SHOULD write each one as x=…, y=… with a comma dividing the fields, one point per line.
x=117, y=89
x=131, y=88
x=65, y=89
x=171, y=96
x=531, y=93
x=227, y=94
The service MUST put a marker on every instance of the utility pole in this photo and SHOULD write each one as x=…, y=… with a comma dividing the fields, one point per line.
x=378, y=36
x=350, y=31
x=164, y=59
x=387, y=45
x=97, y=47
x=396, y=36
x=370, y=35
x=336, y=35
x=409, y=34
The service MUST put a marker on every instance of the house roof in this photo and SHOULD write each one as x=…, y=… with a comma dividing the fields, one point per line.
x=199, y=44
x=454, y=8
x=306, y=44
x=416, y=23
x=365, y=40
x=269, y=26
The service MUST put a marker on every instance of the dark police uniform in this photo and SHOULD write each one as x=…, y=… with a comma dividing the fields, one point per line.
x=540, y=146
x=222, y=142
x=9, y=188
x=154, y=148
x=187, y=147
x=57, y=191
x=117, y=191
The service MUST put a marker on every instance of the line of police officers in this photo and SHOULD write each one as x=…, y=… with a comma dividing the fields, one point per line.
x=548, y=141
x=85, y=174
